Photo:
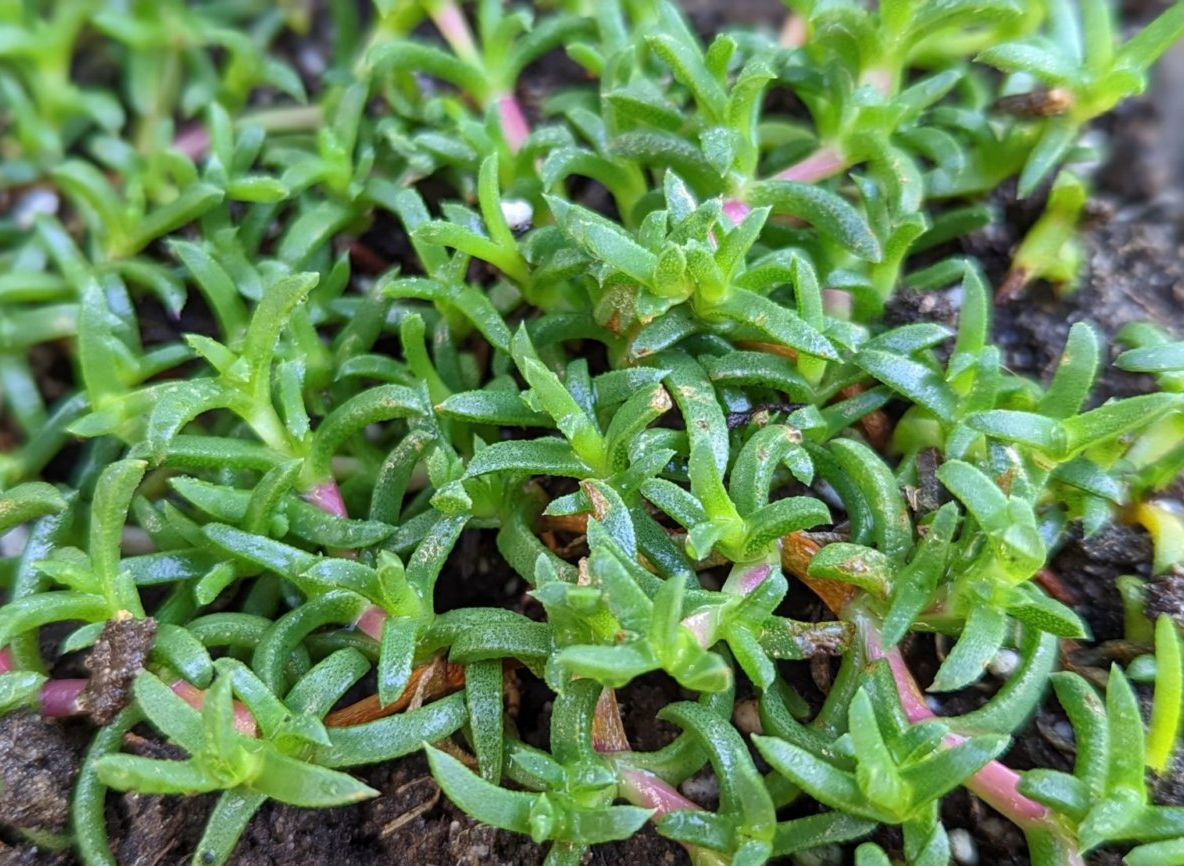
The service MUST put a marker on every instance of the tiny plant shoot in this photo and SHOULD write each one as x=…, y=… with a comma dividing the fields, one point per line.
x=304, y=349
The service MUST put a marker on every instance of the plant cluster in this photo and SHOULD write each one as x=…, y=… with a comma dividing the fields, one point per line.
x=277, y=331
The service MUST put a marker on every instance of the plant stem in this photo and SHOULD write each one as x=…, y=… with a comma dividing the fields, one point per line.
x=515, y=126
x=451, y=23
x=995, y=784
x=193, y=140
x=643, y=788
x=823, y=163
x=371, y=621
x=736, y=210
x=640, y=787
x=426, y=683
x=326, y=495
x=794, y=31
x=244, y=722
x=59, y=698
x=743, y=580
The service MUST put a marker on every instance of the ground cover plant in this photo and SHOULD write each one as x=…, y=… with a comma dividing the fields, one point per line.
x=279, y=333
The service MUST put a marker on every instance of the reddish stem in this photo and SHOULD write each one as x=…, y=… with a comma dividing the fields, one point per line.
x=59, y=698
x=515, y=126
x=750, y=578
x=327, y=497
x=996, y=784
x=794, y=31
x=640, y=787
x=643, y=788
x=193, y=141
x=823, y=163
x=244, y=722
x=736, y=210
x=880, y=80
x=451, y=23
x=371, y=621
x=704, y=624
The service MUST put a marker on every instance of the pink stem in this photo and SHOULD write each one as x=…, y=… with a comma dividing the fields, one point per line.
x=837, y=303
x=823, y=163
x=193, y=141
x=59, y=698
x=736, y=210
x=702, y=625
x=327, y=497
x=371, y=622
x=752, y=577
x=793, y=32
x=996, y=784
x=742, y=581
x=244, y=722
x=911, y=699
x=451, y=23
x=642, y=788
x=880, y=80
x=515, y=126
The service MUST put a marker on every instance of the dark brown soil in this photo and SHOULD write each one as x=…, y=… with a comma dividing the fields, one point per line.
x=114, y=661
x=1165, y=594
x=38, y=760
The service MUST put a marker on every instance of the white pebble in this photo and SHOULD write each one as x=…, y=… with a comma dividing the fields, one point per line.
x=1004, y=663
x=747, y=717
x=701, y=787
x=963, y=847
x=36, y=201
x=518, y=213
x=12, y=543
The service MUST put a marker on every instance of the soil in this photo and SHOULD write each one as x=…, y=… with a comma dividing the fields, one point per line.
x=1133, y=271
x=38, y=760
x=114, y=662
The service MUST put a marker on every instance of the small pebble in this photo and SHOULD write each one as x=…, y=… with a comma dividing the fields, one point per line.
x=1004, y=663
x=701, y=787
x=518, y=213
x=35, y=201
x=747, y=717
x=12, y=543
x=963, y=848
x=311, y=60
